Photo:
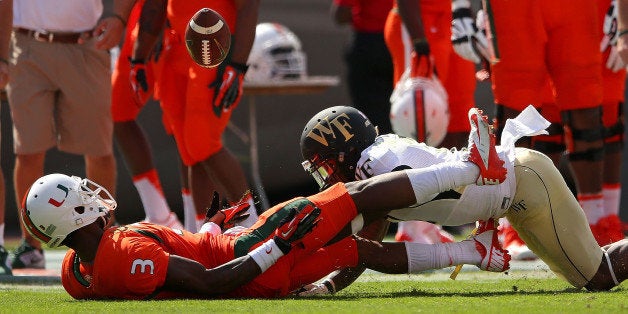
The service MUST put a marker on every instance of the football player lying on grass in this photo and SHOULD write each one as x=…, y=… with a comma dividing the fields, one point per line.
x=340, y=144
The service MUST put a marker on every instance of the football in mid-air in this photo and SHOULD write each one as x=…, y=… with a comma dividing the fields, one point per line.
x=208, y=38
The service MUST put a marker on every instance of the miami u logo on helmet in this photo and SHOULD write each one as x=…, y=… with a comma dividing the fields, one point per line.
x=326, y=128
x=56, y=203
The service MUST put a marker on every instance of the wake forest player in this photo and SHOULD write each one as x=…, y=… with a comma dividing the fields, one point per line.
x=340, y=144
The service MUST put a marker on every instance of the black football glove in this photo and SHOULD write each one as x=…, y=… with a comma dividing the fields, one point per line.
x=295, y=226
x=228, y=87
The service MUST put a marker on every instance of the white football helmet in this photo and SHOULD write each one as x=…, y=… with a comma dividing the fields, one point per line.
x=57, y=204
x=276, y=54
x=419, y=109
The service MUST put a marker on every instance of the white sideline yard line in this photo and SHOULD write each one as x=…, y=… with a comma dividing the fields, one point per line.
x=519, y=269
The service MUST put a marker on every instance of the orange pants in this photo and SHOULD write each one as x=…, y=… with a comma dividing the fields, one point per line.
x=123, y=105
x=536, y=38
x=184, y=87
x=613, y=87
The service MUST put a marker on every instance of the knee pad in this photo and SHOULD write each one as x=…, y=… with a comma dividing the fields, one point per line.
x=589, y=135
x=614, y=137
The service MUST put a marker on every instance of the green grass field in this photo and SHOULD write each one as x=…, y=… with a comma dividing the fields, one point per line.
x=529, y=291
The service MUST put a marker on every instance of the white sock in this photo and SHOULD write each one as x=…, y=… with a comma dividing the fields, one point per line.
x=612, y=195
x=440, y=178
x=153, y=200
x=2, y=234
x=189, y=211
x=199, y=221
x=423, y=257
x=593, y=206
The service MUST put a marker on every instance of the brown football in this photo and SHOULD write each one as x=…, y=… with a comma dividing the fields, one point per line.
x=208, y=38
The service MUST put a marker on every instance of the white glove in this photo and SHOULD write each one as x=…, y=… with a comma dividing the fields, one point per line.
x=614, y=62
x=481, y=42
x=462, y=31
x=610, y=26
x=315, y=289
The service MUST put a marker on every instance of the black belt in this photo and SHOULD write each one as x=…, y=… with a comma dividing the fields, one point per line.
x=50, y=37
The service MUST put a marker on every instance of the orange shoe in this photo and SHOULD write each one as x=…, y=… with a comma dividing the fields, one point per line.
x=515, y=245
x=607, y=230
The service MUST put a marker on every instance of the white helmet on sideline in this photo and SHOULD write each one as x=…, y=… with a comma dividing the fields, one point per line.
x=419, y=109
x=276, y=54
x=57, y=204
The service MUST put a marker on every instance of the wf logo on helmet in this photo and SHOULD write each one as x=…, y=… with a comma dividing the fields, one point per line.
x=56, y=203
x=326, y=128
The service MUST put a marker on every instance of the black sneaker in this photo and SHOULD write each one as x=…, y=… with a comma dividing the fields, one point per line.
x=26, y=256
x=5, y=266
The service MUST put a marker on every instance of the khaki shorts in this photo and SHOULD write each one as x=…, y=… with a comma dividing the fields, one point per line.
x=60, y=96
x=549, y=219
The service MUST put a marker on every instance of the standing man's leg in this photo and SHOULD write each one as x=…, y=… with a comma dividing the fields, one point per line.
x=28, y=168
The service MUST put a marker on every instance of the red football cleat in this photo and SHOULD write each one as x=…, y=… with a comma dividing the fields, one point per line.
x=482, y=150
x=494, y=257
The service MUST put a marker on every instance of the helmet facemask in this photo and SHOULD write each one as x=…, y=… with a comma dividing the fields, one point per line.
x=329, y=171
x=276, y=54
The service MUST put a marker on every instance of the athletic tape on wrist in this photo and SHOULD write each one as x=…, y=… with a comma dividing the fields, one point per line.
x=357, y=224
x=266, y=254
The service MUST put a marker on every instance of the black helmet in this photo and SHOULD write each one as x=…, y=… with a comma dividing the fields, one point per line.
x=332, y=142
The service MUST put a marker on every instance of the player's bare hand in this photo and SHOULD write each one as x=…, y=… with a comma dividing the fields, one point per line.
x=322, y=288
x=622, y=48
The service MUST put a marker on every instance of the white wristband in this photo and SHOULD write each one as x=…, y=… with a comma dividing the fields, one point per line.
x=459, y=4
x=211, y=228
x=266, y=254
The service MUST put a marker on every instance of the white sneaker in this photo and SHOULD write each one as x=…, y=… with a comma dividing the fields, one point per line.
x=482, y=150
x=494, y=257
x=422, y=232
x=515, y=245
x=5, y=262
x=172, y=221
x=521, y=252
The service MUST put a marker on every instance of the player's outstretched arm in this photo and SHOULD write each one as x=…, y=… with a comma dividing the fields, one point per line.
x=184, y=274
x=341, y=279
x=190, y=276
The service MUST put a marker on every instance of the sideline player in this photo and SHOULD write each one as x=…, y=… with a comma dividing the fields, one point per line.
x=559, y=39
x=420, y=32
x=126, y=105
x=339, y=144
x=292, y=244
x=193, y=98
